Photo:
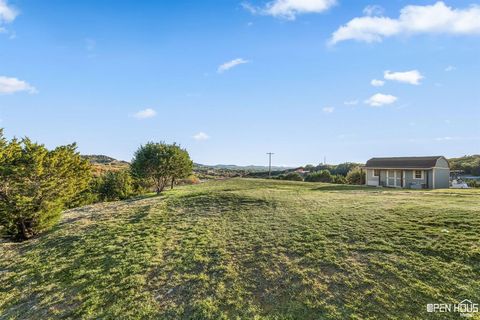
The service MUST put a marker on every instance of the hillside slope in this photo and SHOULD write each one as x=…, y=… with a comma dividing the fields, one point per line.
x=251, y=248
x=102, y=164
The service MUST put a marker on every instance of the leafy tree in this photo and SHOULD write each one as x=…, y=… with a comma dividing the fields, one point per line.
x=37, y=184
x=115, y=185
x=88, y=196
x=161, y=164
x=181, y=164
x=319, y=176
x=293, y=176
x=343, y=168
x=356, y=176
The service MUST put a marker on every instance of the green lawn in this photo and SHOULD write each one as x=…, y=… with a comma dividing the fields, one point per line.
x=251, y=249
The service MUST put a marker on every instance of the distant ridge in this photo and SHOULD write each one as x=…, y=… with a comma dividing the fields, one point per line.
x=102, y=164
x=237, y=167
x=102, y=159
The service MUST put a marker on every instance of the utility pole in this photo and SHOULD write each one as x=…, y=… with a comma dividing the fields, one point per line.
x=270, y=164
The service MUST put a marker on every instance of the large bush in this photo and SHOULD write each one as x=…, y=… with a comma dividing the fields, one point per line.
x=319, y=176
x=161, y=164
x=115, y=185
x=356, y=176
x=36, y=184
x=339, y=179
x=88, y=196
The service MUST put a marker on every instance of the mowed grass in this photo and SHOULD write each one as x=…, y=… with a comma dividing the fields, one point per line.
x=251, y=249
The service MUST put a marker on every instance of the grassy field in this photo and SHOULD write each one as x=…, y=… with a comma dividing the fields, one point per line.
x=251, y=249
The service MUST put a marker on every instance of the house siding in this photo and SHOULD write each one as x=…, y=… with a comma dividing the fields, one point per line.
x=442, y=163
x=370, y=179
x=409, y=178
x=442, y=178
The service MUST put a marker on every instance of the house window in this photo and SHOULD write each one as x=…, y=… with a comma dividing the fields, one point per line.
x=418, y=174
x=376, y=173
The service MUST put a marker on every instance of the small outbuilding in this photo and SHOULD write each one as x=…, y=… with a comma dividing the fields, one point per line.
x=408, y=172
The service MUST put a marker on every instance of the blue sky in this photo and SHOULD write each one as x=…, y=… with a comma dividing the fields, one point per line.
x=296, y=77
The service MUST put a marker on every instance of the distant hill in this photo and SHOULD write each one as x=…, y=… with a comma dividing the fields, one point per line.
x=101, y=159
x=102, y=164
x=234, y=167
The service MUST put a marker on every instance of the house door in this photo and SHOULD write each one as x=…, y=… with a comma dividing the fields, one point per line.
x=394, y=178
x=399, y=177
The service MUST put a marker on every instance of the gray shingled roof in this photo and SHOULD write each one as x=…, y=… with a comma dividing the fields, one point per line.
x=403, y=162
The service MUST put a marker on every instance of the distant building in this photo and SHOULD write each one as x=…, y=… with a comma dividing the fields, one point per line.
x=408, y=172
x=301, y=171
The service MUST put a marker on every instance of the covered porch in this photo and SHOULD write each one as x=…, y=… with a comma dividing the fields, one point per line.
x=398, y=178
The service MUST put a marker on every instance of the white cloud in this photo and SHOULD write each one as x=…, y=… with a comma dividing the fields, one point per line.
x=449, y=138
x=431, y=19
x=289, y=9
x=11, y=85
x=145, y=114
x=328, y=109
x=351, y=102
x=231, y=64
x=450, y=68
x=411, y=77
x=377, y=83
x=373, y=10
x=7, y=13
x=444, y=139
x=380, y=99
x=201, y=136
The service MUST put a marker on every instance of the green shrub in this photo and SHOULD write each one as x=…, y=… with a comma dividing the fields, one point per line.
x=293, y=176
x=356, y=176
x=339, y=179
x=115, y=185
x=87, y=196
x=36, y=184
x=319, y=176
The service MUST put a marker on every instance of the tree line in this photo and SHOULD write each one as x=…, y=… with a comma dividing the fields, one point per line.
x=355, y=176
x=37, y=184
x=343, y=173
